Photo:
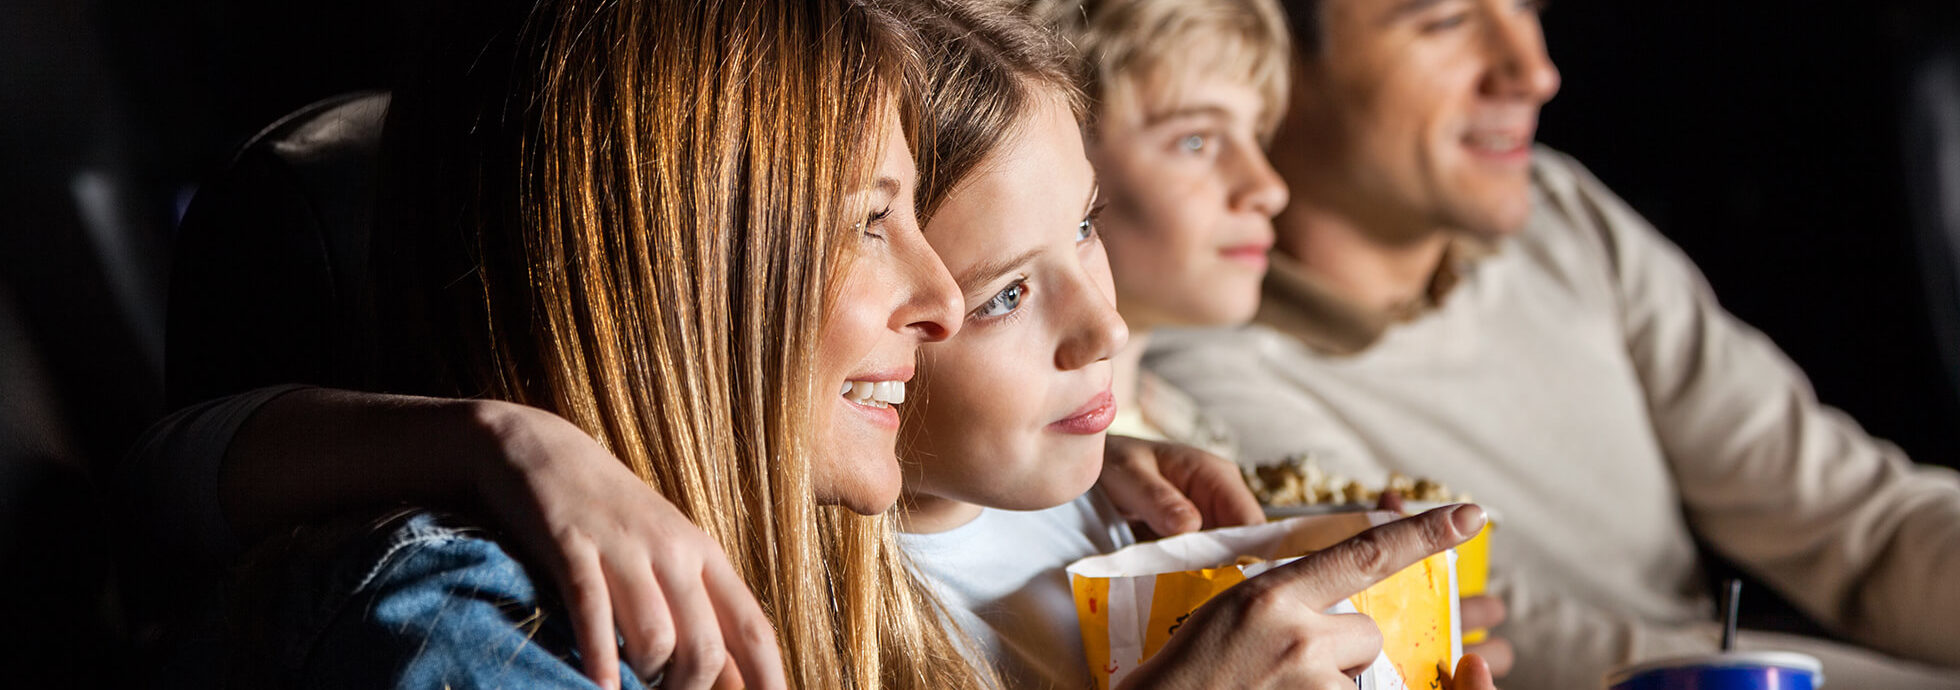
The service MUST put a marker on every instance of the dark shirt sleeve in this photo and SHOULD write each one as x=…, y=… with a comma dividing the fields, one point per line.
x=418, y=602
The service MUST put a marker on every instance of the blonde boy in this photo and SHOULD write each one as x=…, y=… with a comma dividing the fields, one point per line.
x=1186, y=93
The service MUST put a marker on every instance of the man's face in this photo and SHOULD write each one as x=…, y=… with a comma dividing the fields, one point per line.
x=1418, y=115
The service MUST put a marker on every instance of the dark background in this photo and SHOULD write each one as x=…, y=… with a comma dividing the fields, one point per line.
x=1766, y=137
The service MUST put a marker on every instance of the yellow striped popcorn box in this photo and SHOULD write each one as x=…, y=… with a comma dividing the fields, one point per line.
x=1130, y=602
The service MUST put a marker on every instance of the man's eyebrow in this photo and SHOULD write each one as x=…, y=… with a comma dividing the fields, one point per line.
x=986, y=271
x=1409, y=7
x=1187, y=112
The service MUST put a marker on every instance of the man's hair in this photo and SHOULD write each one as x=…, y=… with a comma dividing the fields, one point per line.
x=1133, y=43
x=1303, y=19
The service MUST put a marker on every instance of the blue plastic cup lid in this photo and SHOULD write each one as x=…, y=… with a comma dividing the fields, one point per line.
x=1785, y=660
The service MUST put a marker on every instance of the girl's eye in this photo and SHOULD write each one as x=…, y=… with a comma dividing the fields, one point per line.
x=1087, y=228
x=1004, y=302
x=1194, y=143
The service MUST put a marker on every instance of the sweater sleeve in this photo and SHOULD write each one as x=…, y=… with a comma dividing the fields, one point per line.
x=1843, y=524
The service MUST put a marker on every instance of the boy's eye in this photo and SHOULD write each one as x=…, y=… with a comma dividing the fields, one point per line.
x=1004, y=302
x=1193, y=143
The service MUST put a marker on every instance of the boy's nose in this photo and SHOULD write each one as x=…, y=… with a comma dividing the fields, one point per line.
x=1261, y=190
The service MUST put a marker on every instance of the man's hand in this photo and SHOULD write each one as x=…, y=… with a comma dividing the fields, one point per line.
x=1175, y=488
x=1487, y=612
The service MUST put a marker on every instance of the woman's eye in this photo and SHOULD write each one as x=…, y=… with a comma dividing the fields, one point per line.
x=874, y=223
x=1194, y=143
x=1004, y=302
x=1085, y=230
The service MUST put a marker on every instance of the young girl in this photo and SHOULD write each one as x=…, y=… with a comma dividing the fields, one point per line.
x=1008, y=424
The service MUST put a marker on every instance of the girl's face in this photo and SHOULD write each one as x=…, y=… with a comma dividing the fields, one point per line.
x=895, y=294
x=1014, y=408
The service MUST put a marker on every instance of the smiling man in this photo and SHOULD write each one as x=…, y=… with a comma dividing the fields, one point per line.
x=1449, y=301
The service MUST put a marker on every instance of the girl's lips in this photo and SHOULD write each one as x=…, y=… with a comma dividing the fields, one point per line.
x=1092, y=418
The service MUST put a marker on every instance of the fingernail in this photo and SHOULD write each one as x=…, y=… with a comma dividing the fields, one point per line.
x=1468, y=518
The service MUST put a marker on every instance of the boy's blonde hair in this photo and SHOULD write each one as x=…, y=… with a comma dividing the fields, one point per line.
x=1145, y=49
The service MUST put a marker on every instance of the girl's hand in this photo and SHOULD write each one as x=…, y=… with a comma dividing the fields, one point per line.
x=1175, y=488
x=1272, y=631
x=623, y=558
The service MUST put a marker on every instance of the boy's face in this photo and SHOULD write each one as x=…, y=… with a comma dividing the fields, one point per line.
x=1011, y=412
x=1190, y=199
x=1415, y=116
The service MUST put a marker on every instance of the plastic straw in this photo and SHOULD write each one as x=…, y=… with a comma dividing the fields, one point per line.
x=1731, y=606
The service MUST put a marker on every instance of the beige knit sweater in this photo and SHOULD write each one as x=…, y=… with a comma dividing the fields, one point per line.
x=1583, y=382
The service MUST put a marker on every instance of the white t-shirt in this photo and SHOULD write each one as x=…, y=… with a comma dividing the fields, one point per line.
x=1001, y=578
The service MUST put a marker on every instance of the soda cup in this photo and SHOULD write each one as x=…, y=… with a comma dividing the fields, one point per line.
x=1723, y=671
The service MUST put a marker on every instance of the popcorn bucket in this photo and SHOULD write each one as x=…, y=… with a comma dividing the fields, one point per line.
x=1472, y=562
x=1130, y=602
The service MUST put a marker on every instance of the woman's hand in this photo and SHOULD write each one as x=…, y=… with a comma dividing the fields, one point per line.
x=1174, y=488
x=1273, y=631
x=623, y=556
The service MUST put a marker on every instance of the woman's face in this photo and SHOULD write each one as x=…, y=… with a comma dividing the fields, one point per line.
x=894, y=295
x=1015, y=407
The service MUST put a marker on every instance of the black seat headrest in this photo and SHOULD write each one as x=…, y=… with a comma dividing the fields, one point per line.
x=270, y=280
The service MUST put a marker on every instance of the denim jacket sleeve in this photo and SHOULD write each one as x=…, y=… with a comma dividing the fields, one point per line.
x=421, y=602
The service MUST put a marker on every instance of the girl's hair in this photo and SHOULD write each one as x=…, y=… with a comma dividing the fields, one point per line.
x=638, y=224
x=988, y=67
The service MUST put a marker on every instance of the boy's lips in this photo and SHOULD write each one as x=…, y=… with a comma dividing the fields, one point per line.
x=1092, y=418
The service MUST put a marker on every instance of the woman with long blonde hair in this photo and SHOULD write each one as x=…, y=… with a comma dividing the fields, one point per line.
x=683, y=228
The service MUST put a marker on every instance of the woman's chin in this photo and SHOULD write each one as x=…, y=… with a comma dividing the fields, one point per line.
x=869, y=487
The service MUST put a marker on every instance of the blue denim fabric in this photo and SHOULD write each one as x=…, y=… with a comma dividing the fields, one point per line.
x=417, y=601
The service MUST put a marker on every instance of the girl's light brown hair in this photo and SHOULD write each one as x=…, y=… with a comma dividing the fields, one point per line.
x=988, y=68
x=652, y=215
